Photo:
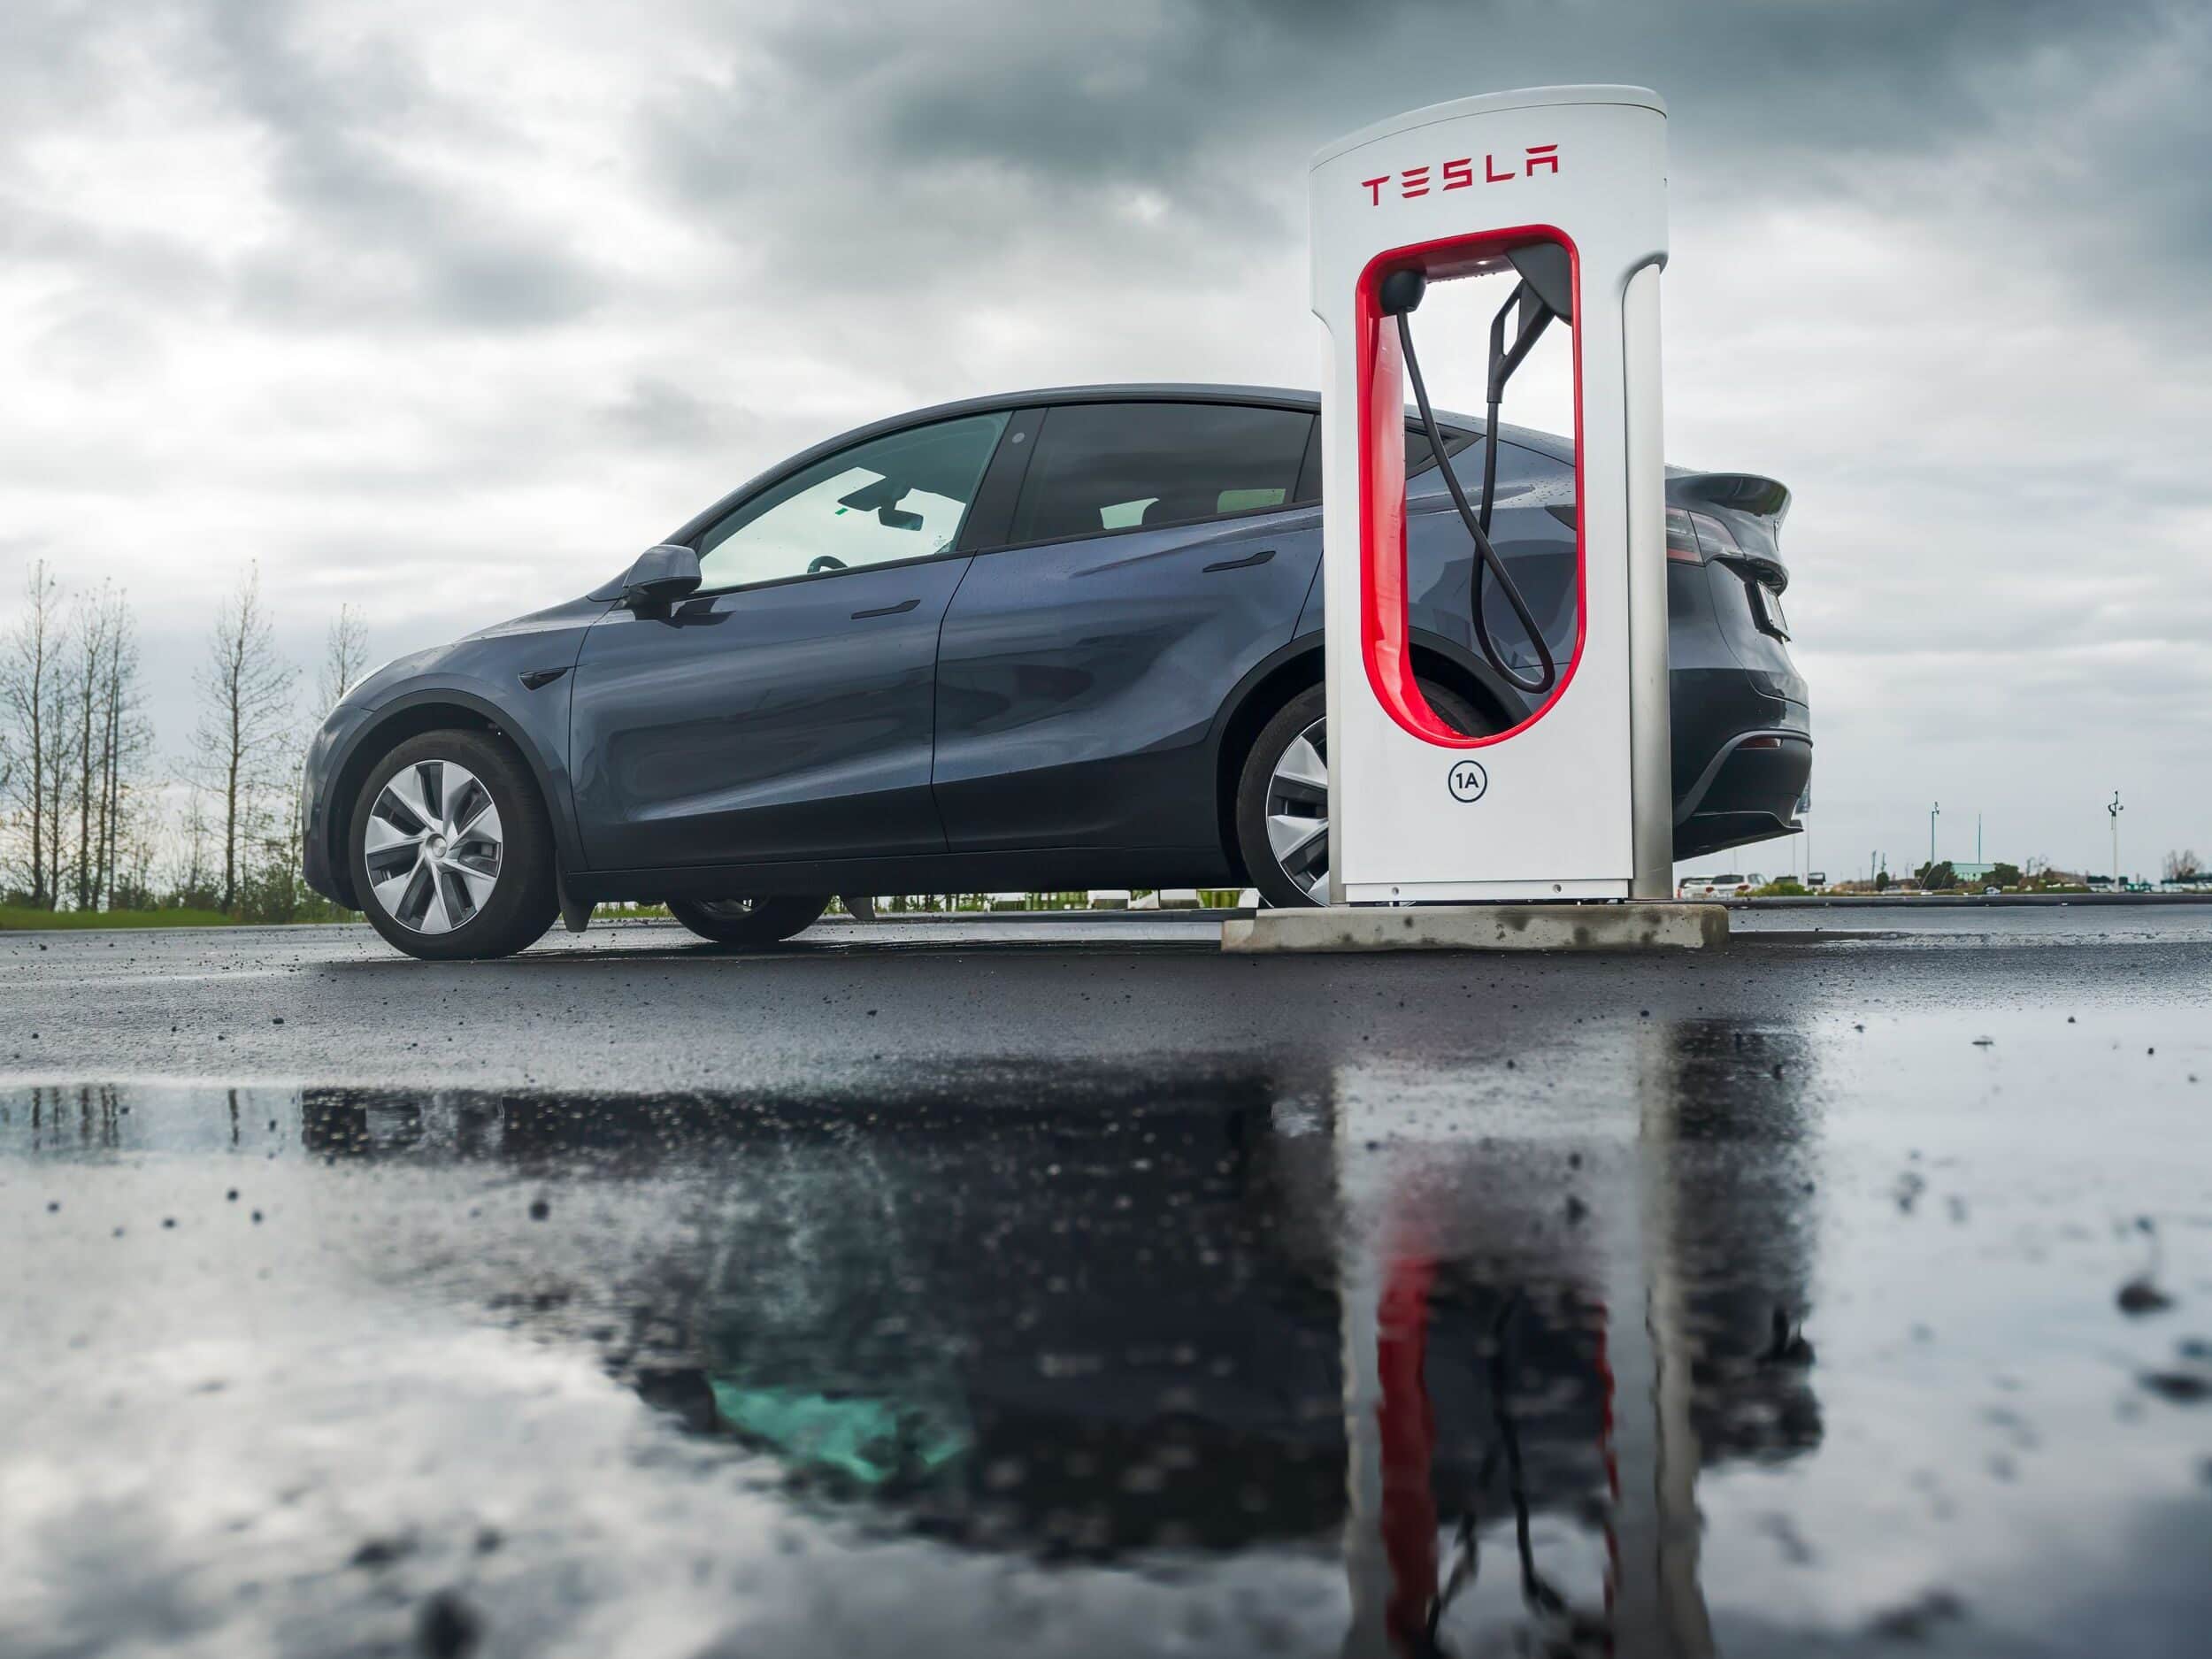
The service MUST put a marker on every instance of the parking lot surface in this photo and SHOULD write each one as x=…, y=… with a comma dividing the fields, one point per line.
x=998, y=1288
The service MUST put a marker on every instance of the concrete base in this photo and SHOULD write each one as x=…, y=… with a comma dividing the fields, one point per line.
x=1635, y=924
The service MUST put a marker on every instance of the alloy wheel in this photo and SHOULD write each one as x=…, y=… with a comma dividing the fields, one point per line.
x=1298, y=811
x=433, y=846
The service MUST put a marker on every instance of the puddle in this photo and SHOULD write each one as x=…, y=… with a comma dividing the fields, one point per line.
x=1688, y=1338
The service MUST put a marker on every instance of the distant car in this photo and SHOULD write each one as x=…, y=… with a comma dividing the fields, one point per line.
x=1991, y=893
x=1047, y=640
x=1728, y=885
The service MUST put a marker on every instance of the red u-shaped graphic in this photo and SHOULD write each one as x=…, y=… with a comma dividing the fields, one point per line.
x=1384, y=620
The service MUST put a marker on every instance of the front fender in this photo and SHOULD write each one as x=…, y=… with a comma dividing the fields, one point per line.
x=536, y=722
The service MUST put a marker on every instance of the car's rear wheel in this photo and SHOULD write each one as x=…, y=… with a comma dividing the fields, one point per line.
x=748, y=921
x=451, y=854
x=1282, y=810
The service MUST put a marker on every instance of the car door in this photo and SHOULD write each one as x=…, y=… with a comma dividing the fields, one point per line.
x=786, y=710
x=1153, y=556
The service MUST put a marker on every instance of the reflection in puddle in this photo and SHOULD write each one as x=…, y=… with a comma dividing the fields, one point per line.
x=1479, y=1366
x=1127, y=1328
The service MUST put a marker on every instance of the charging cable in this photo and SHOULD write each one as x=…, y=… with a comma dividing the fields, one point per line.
x=1402, y=291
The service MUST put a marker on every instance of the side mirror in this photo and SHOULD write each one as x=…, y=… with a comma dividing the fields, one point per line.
x=658, y=576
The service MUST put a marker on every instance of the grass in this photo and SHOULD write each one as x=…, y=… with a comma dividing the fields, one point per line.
x=18, y=916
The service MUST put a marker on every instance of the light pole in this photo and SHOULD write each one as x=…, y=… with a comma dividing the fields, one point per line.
x=2114, y=810
x=1935, y=809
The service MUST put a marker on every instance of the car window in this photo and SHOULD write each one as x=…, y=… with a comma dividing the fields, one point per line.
x=1531, y=478
x=1420, y=455
x=900, y=497
x=1116, y=466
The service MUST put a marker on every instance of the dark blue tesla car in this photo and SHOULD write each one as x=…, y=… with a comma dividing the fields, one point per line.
x=1060, y=639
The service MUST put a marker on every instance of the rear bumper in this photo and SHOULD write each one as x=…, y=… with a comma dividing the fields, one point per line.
x=1747, y=792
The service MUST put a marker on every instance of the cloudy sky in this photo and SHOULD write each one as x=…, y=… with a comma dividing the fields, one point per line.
x=446, y=310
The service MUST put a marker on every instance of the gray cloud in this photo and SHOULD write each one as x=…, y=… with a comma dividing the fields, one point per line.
x=870, y=132
x=374, y=233
x=369, y=231
x=1145, y=92
x=656, y=413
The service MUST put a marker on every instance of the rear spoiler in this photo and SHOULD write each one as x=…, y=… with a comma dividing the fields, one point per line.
x=1746, y=492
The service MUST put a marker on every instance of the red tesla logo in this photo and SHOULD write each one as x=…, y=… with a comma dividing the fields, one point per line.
x=1459, y=174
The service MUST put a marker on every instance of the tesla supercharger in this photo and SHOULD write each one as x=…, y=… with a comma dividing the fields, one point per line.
x=1566, y=186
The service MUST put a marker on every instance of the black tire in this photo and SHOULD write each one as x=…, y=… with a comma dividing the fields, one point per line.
x=749, y=922
x=524, y=897
x=1286, y=887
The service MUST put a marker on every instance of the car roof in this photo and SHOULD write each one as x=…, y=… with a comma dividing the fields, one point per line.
x=1127, y=392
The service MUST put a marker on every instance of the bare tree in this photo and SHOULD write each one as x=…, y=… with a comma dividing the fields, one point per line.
x=116, y=744
x=131, y=864
x=60, y=752
x=191, y=874
x=31, y=675
x=246, y=696
x=2183, y=864
x=87, y=681
x=345, y=657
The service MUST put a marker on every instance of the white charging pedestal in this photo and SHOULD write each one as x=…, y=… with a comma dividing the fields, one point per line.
x=1556, y=833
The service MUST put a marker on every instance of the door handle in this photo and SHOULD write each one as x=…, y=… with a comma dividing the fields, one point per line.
x=899, y=609
x=1245, y=563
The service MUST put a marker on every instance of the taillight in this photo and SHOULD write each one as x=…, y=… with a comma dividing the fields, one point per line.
x=1681, y=538
x=1713, y=536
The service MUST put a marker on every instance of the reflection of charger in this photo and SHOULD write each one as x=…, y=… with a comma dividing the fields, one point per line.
x=1546, y=290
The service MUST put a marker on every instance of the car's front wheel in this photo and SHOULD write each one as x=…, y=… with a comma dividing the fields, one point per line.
x=1282, y=809
x=752, y=922
x=451, y=854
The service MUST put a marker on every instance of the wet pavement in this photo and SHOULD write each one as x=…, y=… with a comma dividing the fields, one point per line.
x=1850, y=1291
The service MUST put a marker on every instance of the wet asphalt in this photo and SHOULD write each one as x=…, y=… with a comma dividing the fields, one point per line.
x=998, y=1289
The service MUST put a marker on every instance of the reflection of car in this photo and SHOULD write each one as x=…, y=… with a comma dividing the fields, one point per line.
x=1053, y=640
x=1004, y=1327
